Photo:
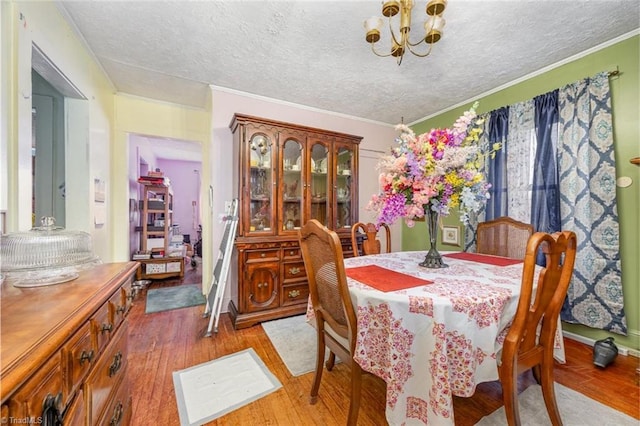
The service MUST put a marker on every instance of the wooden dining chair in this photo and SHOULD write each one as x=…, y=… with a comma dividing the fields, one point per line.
x=504, y=237
x=334, y=313
x=371, y=244
x=530, y=339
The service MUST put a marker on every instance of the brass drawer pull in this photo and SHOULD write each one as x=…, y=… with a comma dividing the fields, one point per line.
x=86, y=356
x=292, y=252
x=294, y=270
x=121, y=309
x=116, y=364
x=263, y=254
x=294, y=293
x=117, y=415
x=106, y=327
x=261, y=285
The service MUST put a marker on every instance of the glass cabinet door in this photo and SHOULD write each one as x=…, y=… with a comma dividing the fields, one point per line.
x=291, y=186
x=319, y=182
x=344, y=191
x=261, y=213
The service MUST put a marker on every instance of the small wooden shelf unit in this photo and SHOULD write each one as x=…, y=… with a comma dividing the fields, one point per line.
x=155, y=234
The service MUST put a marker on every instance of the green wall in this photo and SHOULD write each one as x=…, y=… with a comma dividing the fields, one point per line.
x=625, y=94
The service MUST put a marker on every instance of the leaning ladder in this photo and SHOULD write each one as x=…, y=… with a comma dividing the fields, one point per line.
x=221, y=269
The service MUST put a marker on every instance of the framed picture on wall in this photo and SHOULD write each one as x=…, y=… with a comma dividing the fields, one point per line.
x=451, y=235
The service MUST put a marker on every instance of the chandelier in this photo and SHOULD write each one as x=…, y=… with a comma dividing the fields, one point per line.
x=400, y=42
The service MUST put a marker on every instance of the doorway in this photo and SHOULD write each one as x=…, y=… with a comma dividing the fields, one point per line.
x=47, y=151
x=180, y=163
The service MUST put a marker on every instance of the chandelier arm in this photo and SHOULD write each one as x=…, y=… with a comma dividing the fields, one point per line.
x=417, y=43
x=393, y=34
x=420, y=55
x=373, y=49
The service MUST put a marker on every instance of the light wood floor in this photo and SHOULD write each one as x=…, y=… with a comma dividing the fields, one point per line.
x=164, y=342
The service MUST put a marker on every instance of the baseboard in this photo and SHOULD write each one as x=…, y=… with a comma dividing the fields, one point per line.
x=622, y=350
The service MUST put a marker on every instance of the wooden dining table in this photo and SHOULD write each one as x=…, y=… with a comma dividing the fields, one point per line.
x=431, y=334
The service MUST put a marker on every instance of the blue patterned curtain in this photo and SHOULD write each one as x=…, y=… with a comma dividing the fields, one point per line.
x=545, y=196
x=588, y=204
x=497, y=169
x=472, y=227
x=521, y=141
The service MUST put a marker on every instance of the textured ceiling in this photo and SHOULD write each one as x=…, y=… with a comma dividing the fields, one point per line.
x=313, y=53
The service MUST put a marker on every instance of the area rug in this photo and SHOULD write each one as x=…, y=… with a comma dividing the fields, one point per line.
x=168, y=298
x=295, y=341
x=215, y=388
x=575, y=410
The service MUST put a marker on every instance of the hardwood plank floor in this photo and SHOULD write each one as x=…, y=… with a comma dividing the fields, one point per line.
x=164, y=342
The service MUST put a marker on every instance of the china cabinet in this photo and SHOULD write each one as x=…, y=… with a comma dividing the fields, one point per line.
x=287, y=174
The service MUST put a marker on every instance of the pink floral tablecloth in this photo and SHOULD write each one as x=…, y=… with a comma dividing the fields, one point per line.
x=433, y=341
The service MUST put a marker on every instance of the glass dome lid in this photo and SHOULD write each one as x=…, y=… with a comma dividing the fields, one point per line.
x=45, y=255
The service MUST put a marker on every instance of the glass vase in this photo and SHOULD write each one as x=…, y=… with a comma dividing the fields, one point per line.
x=433, y=258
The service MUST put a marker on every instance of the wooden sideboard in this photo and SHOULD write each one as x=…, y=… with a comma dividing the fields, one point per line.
x=64, y=349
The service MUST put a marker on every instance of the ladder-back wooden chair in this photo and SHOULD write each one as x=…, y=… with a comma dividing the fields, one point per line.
x=504, y=237
x=334, y=313
x=371, y=244
x=530, y=339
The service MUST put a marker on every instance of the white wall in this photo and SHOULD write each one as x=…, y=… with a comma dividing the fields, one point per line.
x=376, y=137
x=25, y=24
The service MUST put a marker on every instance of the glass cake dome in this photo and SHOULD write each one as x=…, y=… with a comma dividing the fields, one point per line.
x=45, y=255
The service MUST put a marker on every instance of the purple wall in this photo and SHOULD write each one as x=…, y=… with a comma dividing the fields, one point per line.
x=185, y=184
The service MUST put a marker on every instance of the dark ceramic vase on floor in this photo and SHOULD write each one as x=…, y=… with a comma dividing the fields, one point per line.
x=604, y=352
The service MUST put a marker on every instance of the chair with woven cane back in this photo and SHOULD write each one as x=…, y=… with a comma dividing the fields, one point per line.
x=504, y=237
x=335, y=318
x=370, y=244
x=529, y=341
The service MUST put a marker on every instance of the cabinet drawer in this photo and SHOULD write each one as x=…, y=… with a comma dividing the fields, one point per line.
x=295, y=294
x=78, y=355
x=110, y=369
x=46, y=383
x=128, y=294
x=263, y=255
x=117, y=309
x=101, y=328
x=292, y=253
x=294, y=271
x=118, y=411
x=76, y=414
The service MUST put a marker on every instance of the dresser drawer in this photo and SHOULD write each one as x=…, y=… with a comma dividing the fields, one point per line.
x=101, y=328
x=295, y=294
x=109, y=371
x=118, y=411
x=263, y=255
x=128, y=293
x=76, y=413
x=78, y=355
x=294, y=271
x=117, y=309
x=45, y=384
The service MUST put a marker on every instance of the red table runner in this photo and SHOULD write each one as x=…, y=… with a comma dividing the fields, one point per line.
x=483, y=258
x=384, y=279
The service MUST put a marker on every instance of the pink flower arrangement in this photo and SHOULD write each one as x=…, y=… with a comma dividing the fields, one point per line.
x=438, y=170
